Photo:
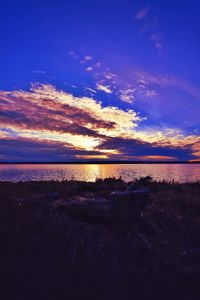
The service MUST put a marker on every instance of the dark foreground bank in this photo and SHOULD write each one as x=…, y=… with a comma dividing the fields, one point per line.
x=47, y=251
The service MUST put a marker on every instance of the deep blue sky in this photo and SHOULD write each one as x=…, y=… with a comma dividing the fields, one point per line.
x=139, y=55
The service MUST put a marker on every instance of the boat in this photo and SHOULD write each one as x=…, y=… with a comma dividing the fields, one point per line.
x=118, y=205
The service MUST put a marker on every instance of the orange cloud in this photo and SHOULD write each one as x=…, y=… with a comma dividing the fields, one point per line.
x=158, y=157
x=100, y=156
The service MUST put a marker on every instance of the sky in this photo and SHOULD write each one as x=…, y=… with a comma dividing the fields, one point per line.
x=99, y=80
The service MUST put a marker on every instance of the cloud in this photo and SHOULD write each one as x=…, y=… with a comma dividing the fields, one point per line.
x=40, y=72
x=92, y=91
x=149, y=27
x=127, y=95
x=142, y=13
x=157, y=149
x=89, y=69
x=156, y=39
x=128, y=89
x=89, y=157
x=157, y=96
x=158, y=158
x=45, y=119
x=104, y=88
x=48, y=114
x=73, y=55
x=28, y=149
x=144, y=81
x=88, y=57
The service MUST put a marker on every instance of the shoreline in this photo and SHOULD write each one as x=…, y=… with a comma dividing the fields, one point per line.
x=143, y=255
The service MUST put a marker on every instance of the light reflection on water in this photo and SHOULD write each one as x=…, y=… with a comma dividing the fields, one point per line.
x=89, y=172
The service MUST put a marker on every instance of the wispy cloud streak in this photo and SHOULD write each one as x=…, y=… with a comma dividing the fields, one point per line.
x=142, y=13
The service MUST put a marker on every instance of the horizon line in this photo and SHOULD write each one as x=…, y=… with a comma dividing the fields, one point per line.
x=102, y=162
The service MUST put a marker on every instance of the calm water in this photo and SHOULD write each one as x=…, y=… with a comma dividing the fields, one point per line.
x=87, y=172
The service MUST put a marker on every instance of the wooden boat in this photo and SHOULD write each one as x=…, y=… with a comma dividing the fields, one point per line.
x=119, y=205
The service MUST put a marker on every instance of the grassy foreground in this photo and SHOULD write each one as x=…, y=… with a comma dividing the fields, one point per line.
x=46, y=251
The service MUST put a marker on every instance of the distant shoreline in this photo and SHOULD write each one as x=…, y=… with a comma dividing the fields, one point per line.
x=100, y=162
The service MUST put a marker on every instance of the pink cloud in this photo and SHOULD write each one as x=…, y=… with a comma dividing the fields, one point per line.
x=142, y=13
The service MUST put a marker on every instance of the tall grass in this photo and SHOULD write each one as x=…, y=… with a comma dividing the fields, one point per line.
x=148, y=256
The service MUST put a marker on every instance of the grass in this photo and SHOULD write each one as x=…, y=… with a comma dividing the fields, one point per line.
x=155, y=254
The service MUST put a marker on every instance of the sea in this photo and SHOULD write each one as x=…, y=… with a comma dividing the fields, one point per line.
x=92, y=172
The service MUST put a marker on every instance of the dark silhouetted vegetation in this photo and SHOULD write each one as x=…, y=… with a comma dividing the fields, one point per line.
x=154, y=254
